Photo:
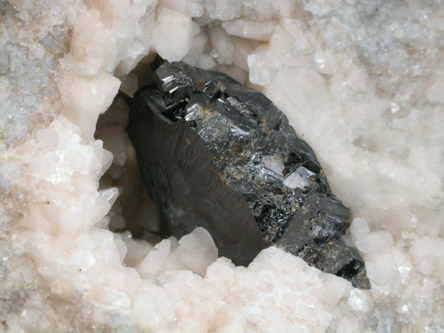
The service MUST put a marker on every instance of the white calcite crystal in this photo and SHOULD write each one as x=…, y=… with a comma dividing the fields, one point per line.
x=172, y=28
x=362, y=83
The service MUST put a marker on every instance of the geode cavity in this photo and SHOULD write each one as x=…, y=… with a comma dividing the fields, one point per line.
x=216, y=154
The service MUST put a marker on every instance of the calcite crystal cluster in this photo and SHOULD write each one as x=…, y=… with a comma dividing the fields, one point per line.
x=219, y=155
x=362, y=82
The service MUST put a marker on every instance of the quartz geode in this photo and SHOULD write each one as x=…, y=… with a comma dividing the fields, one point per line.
x=217, y=154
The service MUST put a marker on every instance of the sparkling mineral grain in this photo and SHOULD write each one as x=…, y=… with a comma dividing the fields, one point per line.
x=216, y=154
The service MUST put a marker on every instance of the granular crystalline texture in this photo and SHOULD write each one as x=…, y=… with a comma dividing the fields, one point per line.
x=219, y=155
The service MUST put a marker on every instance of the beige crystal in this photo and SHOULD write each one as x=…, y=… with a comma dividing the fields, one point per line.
x=374, y=121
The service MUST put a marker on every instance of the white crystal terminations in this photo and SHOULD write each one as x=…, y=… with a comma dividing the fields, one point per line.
x=361, y=81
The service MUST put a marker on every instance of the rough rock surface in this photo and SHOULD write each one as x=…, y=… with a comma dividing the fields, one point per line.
x=219, y=155
x=371, y=72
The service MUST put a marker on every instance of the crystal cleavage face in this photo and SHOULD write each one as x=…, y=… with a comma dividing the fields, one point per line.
x=216, y=154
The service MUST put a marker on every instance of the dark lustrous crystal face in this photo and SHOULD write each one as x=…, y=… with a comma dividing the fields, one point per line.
x=216, y=154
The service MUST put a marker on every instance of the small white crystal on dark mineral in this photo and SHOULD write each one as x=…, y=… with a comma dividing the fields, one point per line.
x=216, y=154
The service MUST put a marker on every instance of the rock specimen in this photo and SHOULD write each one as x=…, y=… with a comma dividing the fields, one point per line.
x=216, y=154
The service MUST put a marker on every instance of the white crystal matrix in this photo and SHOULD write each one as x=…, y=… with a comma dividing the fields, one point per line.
x=361, y=81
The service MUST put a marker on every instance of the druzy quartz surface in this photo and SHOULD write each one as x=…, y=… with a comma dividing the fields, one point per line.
x=217, y=154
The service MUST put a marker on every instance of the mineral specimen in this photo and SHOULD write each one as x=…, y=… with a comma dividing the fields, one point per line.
x=217, y=154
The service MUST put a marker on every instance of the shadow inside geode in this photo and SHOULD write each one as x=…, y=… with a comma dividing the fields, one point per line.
x=133, y=211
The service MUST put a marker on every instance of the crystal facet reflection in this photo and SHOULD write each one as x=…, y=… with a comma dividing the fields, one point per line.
x=216, y=154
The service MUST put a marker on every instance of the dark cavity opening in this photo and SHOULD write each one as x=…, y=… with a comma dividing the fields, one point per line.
x=133, y=211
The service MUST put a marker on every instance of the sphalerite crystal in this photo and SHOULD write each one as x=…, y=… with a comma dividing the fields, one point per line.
x=217, y=154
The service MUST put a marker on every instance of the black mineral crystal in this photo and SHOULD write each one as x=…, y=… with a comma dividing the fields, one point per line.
x=217, y=154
